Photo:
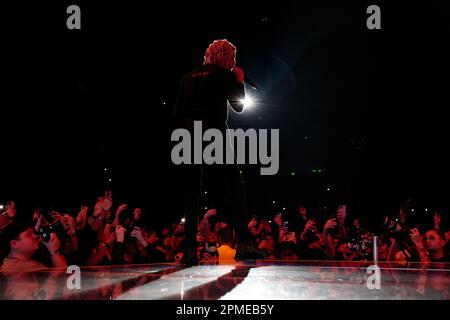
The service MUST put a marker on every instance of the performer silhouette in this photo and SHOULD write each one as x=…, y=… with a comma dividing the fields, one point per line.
x=204, y=96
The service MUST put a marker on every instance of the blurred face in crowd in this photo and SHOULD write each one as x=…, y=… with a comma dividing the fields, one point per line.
x=165, y=231
x=252, y=231
x=127, y=221
x=287, y=254
x=402, y=215
x=400, y=258
x=303, y=211
x=270, y=241
x=433, y=241
x=177, y=258
x=179, y=230
x=437, y=218
x=27, y=243
x=167, y=242
x=368, y=236
x=265, y=225
x=220, y=225
x=263, y=245
x=200, y=237
x=382, y=249
x=356, y=223
x=152, y=237
x=342, y=210
x=137, y=213
x=212, y=237
x=11, y=209
x=344, y=248
x=278, y=219
x=267, y=244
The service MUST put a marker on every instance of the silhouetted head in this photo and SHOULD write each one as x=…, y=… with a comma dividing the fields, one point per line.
x=221, y=53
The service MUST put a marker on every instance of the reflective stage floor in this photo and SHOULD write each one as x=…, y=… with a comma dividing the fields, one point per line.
x=255, y=280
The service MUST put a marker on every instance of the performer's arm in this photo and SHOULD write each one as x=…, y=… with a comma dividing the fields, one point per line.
x=180, y=101
x=237, y=91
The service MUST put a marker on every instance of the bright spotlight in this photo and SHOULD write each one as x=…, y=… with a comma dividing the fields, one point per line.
x=248, y=102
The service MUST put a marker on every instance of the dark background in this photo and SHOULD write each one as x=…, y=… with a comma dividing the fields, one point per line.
x=372, y=103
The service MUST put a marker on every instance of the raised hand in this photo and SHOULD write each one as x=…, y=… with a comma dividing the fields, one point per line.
x=416, y=237
x=41, y=221
x=69, y=224
x=120, y=234
x=252, y=223
x=36, y=214
x=310, y=225
x=57, y=216
x=121, y=209
x=137, y=233
x=210, y=213
x=54, y=244
x=330, y=224
x=81, y=217
x=106, y=202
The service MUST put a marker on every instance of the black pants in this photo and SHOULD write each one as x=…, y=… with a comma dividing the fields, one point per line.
x=218, y=185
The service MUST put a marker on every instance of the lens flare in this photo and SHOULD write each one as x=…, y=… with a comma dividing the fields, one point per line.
x=248, y=102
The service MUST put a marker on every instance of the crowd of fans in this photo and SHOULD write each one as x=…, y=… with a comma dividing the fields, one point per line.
x=113, y=235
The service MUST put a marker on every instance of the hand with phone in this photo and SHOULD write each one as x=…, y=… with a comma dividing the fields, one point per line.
x=137, y=233
x=310, y=226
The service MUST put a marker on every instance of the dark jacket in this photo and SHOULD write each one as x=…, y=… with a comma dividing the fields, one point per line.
x=203, y=95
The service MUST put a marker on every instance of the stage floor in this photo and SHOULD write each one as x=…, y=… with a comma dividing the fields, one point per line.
x=255, y=280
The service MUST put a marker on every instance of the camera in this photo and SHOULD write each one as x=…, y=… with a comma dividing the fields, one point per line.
x=400, y=234
x=46, y=231
x=53, y=226
x=391, y=225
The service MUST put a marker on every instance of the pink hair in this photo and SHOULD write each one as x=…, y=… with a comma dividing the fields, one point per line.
x=221, y=53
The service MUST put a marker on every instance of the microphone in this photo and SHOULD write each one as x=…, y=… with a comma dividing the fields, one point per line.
x=250, y=83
